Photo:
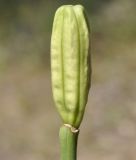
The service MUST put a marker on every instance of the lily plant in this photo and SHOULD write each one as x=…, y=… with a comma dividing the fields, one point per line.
x=70, y=73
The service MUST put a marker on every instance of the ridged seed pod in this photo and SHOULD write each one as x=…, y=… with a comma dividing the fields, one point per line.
x=70, y=63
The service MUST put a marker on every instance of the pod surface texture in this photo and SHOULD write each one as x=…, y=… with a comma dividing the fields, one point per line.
x=70, y=63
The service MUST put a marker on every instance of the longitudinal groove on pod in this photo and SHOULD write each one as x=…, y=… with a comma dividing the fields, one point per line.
x=70, y=63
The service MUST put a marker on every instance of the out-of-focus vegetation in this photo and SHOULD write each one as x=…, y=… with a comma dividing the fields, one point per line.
x=28, y=119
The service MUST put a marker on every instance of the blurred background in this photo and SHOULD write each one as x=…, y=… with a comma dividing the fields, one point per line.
x=29, y=123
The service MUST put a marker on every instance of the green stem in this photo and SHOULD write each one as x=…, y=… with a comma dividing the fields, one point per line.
x=68, y=143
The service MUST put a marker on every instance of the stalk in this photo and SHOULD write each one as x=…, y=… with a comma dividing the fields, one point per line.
x=68, y=143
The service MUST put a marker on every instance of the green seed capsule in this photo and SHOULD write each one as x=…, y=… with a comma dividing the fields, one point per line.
x=70, y=63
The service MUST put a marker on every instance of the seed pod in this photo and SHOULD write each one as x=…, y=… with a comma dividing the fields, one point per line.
x=70, y=63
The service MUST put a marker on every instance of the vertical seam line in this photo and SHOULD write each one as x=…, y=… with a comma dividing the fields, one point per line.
x=79, y=67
